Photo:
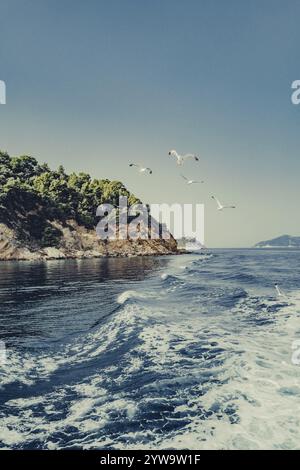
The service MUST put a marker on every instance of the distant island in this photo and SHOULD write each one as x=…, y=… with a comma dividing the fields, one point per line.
x=284, y=241
x=189, y=244
x=46, y=214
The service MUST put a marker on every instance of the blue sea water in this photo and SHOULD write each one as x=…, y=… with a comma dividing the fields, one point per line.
x=181, y=352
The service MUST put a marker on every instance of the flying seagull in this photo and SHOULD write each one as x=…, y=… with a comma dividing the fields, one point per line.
x=141, y=168
x=190, y=181
x=279, y=293
x=181, y=158
x=220, y=206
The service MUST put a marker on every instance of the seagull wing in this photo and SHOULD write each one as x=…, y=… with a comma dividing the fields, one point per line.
x=190, y=155
x=218, y=202
x=134, y=164
x=150, y=171
x=173, y=153
x=184, y=177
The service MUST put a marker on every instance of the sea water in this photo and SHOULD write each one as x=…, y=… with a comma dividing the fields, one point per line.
x=183, y=352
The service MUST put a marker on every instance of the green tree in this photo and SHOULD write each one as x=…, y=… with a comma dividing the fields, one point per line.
x=27, y=185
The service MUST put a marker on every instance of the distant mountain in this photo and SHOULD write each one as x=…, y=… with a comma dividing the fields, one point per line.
x=285, y=241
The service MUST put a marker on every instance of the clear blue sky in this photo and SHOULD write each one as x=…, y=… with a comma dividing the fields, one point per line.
x=95, y=84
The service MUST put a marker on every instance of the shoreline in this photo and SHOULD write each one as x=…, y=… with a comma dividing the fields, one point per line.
x=78, y=242
x=93, y=256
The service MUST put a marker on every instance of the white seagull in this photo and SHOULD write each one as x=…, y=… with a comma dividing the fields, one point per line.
x=181, y=158
x=220, y=206
x=190, y=181
x=279, y=293
x=141, y=168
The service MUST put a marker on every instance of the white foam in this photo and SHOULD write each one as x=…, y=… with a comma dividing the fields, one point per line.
x=231, y=381
x=164, y=276
x=129, y=294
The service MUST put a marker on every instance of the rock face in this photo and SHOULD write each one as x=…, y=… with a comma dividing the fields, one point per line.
x=79, y=242
x=285, y=241
x=46, y=214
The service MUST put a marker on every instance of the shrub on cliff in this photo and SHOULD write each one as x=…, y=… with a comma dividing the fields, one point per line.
x=31, y=194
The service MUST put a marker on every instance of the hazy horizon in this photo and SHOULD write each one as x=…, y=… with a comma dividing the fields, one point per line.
x=96, y=85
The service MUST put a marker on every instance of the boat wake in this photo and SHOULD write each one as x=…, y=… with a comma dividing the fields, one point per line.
x=183, y=361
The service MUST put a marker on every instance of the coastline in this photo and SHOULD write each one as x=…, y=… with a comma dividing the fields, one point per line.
x=87, y=256
x=78, y=242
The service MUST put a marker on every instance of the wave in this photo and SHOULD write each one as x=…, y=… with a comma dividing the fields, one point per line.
x=129, y=295
x=172, y=384
x=183, y=361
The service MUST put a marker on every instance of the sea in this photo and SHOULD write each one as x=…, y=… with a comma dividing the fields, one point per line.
x=195, y=351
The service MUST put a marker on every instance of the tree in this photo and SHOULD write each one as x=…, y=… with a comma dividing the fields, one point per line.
x=25, y=183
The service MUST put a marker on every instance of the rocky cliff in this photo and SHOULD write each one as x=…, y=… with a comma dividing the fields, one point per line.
x=79, y=242
x=48, y=214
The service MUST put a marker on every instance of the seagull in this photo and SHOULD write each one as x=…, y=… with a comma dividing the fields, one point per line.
x=220, y=206
x=142, y=169
x=181, y=158
x=279, y=293
x=190, y=181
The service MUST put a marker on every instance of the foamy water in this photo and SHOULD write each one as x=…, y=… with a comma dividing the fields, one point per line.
x=188, y=352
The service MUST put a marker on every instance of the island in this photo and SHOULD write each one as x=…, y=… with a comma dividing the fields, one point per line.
x=46, y=214
x=190, y=244
x=284, y=241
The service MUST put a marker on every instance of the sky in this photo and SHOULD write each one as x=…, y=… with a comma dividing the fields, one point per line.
x=95, y=85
